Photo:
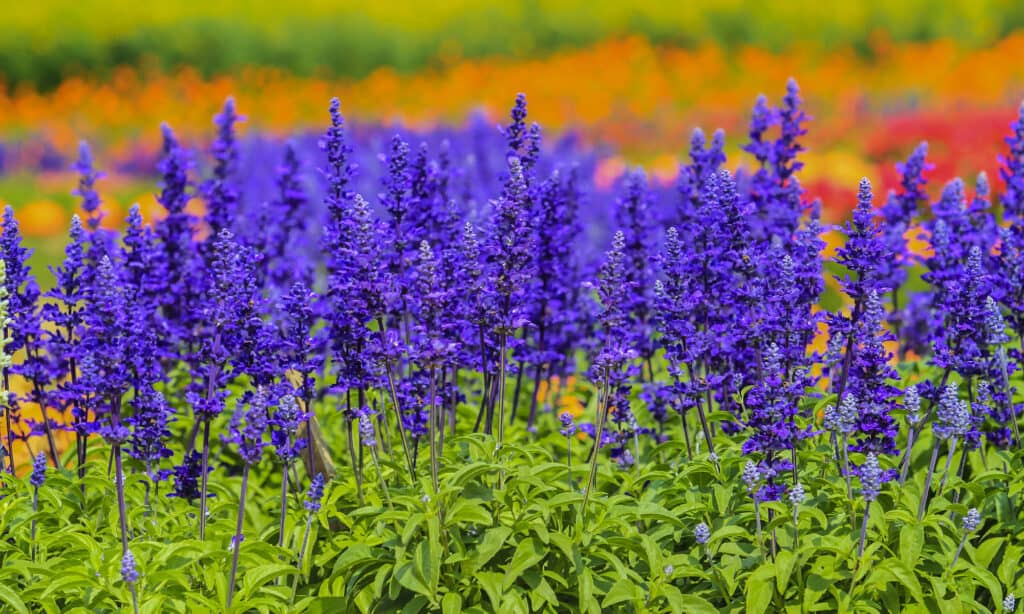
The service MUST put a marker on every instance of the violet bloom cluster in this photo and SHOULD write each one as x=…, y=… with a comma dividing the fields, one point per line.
x=248, y=426
x=284, y=429
x=467, y=259
x=220, y=191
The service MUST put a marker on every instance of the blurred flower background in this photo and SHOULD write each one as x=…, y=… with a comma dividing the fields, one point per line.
x=631, y=79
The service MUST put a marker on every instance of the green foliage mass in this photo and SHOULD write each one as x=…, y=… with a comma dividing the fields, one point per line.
x=45, y=42
x=526, y=546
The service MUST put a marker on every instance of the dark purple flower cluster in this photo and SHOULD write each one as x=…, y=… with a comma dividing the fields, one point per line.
x=462, y=270
x=248, y=426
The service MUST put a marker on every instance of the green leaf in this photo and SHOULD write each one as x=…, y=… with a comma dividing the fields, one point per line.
x=9, y=597
x=256, y=577
x=784, y=563
x=415, y=605
x=465, y=510
x=490, y=581
x=451, y=604
x=911, y=542
x=692, y=604
x=491, y=543
x=528, y=553
x=653, y=511
x=727, y=533
x=543, y=593
x=896, y=570
x=68, y=582
x=622, y=591
x=760, y=589
x=422, y=573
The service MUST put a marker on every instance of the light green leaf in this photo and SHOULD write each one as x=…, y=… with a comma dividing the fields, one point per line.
x=911, y=542
x=760, y=589
x=451, y=604
x=622, y=591
x=490, y=581
x=491, y=543
x=256, y=577
x=8, y=596
x=528, y=553
x=784, y=563
x=690, y=604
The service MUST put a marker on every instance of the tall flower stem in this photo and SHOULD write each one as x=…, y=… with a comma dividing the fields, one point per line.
x=846, y=468
x=284, y=504
x=949, y=462
x=302, y=552
x=864, y=529
x=121, y=507
x=238, y=534
x=398, y=410
x=501, y=406
x=602, y=411
x=204, y=478
x=7, y=418
x=905, y=465
x=686, y=434
x=959, y=549
x=432, y=420
x=212, y=376
x=703, y=418
x=356, y=465
x=928, y=481
x=568, y=461
x=485, y=391
x=380, y=474
x=1005, y=383
x=796, y=528
x=757, y=525
x=35, y=510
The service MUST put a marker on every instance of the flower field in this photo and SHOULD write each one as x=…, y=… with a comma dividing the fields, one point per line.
x=382, y=335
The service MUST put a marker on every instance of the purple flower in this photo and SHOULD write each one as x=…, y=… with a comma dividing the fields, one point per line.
x=1012, y=171
x=221, y=191
x=796, y=494
x=871, y=478
x=509, y=252
x=367, y=432
x=705, y=161
x=844, y=419
x=869, y=381
x=88, y=176
x=287, y=257
x=971, y=520
x=568, y=424
x=613, y=294
x=315, y=494
x=38, y=470
x=106, y=343
x=187, y=476
x=176, y=269
x=953, y=416
x=633, y=218
x=284, y=425
x=150, y=425
x=128, y=571
x=702, y=533
x=355, y=294
x=249, y=426
x=297, y=337
x=751, y=476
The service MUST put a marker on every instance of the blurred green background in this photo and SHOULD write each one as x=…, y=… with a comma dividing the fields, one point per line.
x=46, y=42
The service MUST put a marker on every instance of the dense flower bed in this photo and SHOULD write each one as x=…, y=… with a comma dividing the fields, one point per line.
x=452, y=375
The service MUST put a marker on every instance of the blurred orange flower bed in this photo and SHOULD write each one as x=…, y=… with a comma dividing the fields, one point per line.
x=641, y=99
